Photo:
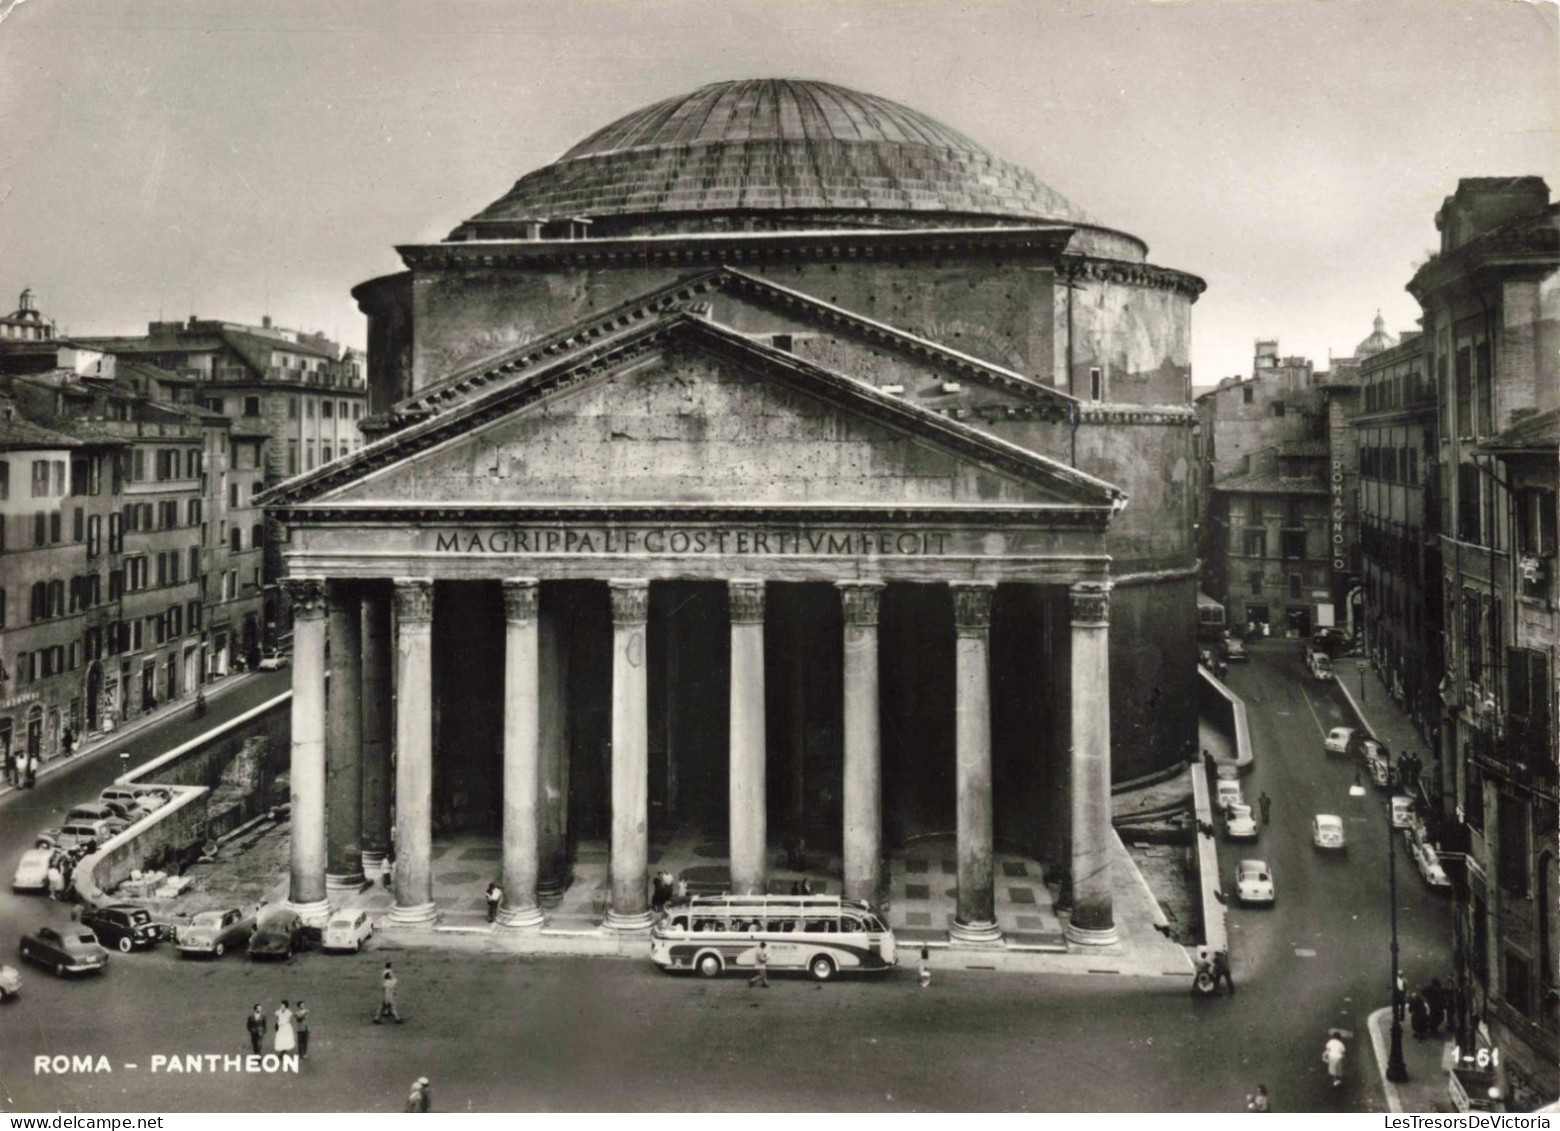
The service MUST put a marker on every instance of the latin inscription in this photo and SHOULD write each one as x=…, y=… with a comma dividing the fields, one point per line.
x=674, y=540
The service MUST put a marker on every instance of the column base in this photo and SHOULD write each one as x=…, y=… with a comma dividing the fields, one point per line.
x=374, y=862
x=518, y=918
x=415, y=915
x=313, y=912
x=344, y=882
x=1089, y=936
x=979, y=932
x=634, y=921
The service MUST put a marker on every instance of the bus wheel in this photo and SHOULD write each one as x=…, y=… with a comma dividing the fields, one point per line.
x=822, y=968
x=709, y=965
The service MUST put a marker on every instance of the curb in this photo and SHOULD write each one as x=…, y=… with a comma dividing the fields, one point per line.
x=1378, y=1044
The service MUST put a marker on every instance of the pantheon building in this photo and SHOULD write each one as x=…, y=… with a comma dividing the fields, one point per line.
x=777, y=462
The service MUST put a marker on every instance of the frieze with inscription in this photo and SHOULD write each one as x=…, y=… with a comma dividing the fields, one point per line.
x=690, y=540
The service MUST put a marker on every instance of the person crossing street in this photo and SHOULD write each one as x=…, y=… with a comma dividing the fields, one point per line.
x=387, y=986
x=761, y=961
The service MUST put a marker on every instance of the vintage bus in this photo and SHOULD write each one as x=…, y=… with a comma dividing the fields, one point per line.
x=1210, y=619
x=821, y=934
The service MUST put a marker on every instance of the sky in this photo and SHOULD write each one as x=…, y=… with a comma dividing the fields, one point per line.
x=227, y=160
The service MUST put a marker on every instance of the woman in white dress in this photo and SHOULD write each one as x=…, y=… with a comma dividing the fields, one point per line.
x=286, y=1038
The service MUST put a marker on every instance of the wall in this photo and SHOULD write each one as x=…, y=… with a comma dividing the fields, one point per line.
x=175, y=830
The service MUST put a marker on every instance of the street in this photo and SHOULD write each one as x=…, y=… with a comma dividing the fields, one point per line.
x=504, y=1032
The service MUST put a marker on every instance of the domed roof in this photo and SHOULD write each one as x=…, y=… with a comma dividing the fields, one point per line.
x=1378, y=341
x=773, y=146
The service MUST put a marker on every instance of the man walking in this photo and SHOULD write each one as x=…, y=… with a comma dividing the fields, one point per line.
x=1221, y=971
x=761, y=961
x=495, y=896
x=925, y=971
x=387, y=985
x=421, y=1098
x=1266, y=804
x=256, y=1026
x=301, y=1028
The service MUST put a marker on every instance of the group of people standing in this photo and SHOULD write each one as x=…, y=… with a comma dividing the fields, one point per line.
x=1428, y=1007
x=21, y=770
x=290, y=1032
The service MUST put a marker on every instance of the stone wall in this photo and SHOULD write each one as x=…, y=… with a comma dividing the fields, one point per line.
x=173, y=833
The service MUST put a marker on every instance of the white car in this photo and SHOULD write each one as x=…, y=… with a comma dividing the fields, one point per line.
x=1253, y=882
x=272, y=661
x=1429, y=865
x=1239, y=824
x=347, y=929
x=1402, y=812
x=32, y=870
x=1327, y=832
x=1375, y=756
x=1228, y=793
x=1338, y=740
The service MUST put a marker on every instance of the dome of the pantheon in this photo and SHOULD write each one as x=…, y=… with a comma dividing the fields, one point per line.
x=774, y=154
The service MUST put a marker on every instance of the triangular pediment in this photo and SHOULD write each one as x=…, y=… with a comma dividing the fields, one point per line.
x=675, y=410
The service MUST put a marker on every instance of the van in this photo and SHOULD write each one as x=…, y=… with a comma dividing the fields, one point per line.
x=1319, y=664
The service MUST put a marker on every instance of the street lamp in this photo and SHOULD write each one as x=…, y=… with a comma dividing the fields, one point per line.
x=1397, y=1071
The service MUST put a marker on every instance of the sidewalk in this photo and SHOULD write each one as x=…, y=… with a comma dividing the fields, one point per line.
x=1426, y=1059
x=1375, y=707
x=94, y=746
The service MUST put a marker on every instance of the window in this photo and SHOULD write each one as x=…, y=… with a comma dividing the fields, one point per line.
x=232, y=494
x=1473, y=648
x=256, y=536
x=192, y=614
x=116, y=537
x=78, y=525
x=327, y=409
x=357, y=410
x=138, y=466
x=1468, y=510
x=56, y=527
x=95, y=534
x=1528, y=697
x=341, y=410
x=192, y=513
x=57, y=598
x=1278, y=408
x=41, y=529
x=40, y=600
x=162, y=569
x=194, y=561
x=192, y=463
x=5, y=480
x=1296, y=586
x=1292, y=544
x=324, y=453
x=175, y=617
x=1536, y=521
x=308, y=407
x=116, y=584
x=292, y=408
x=1512, y=864
x=236, y=539
x=1463, y=425
x=1096, y=384
x=251, y=406
x=40, y=479
x=292, y=457
x=79, y=476
x=1516, y=984
x=1256, y=584
x=1254, y=542
x=308, y=464
x=1246, y=395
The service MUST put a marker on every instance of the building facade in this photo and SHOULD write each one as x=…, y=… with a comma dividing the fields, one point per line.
x=1491, y=302
x=713, y=489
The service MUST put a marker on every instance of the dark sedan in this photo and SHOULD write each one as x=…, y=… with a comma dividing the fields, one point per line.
x=279, y=934
x=123, y=925
x=67, y=951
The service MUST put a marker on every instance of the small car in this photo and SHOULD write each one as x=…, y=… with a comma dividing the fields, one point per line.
x=1402, y=812
x=124, y=794
x=1375, y=755
x=68, y=950
x=1253, y=882
x=152, y=797
x=1429, y=865
x=96, y=811
x=10, y=983
x=123, y=925
x=279, y=933
x=1239, y=824
x=1235, y=651
x=1319, y=664
x=212, y=932
x=32, y=870
x=272, y=661
x=1330, y=640
x=73, y=836
x=1338, y=740
x=1327, y=832
x=348, y=929
x=1228, y=793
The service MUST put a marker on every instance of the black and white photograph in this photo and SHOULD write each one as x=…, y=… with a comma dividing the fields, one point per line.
x=819, y=556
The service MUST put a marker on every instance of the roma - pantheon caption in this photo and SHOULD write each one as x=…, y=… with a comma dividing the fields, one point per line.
x=777, y=462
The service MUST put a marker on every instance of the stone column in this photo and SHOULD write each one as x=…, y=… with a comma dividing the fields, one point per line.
x=376, y=713
x=1092, y=922
x=630, y=757
x=976, y=919
x=344, y=741
x=522, y=748
x=863, y=742
x=553, y=715
x=414, y=752
x=749, y=834
x=306, y=889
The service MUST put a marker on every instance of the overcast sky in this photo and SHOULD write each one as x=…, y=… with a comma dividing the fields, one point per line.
x=231, y=159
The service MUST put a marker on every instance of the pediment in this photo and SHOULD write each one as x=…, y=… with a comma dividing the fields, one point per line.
x=685, y=412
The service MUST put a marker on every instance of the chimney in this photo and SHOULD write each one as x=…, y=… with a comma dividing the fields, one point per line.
x=265, y=321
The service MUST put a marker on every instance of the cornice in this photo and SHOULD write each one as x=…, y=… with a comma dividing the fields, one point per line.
x=1090, y=268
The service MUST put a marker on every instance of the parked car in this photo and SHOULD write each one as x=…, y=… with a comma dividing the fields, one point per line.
x=1429, y=864
x=1402, y=812
x=1235, y=650
x=1253, y=882
x=67, y=950
x=152, y=797
x=1239, y=824
x=1338, y=740
x=1330, y=640
x=107, y=817
x=1375, y=755
x=123, y=925
x=212, y=932
x=279, y=933
x=272, y=661
x=10, y=983
x=32, y=870
x=1227, y=793
x=73, y=836
x=347, y=929
x=1327, y=832
x=1319, y=664
x=123, y=794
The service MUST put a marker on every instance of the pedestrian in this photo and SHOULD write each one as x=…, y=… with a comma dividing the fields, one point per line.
x=32, y=770
x=10, y=766
x=1258, y=1100
x=1221, y=971
x=68, y=742
x=761, y=961
x=1399, y=999
x=301, y=1027
x=495, y=896
x=660, y=890
x=256, y=1025
x=1418, y=1014
x=803, y=886
x=286, y=1039
x=387, y=985
x=421, y=1098
x=926, y=969
x=1435, y=1005
x=1332, y=1056
x=680, y=889
x=1266, y=804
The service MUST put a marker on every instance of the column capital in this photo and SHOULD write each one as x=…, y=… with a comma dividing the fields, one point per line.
x=972, y=605
x=1088, y=603
x=520, y=594
x=306, y=595
x=746, y=600
x=413, y=599
x=859, y=600
x=630, y=601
